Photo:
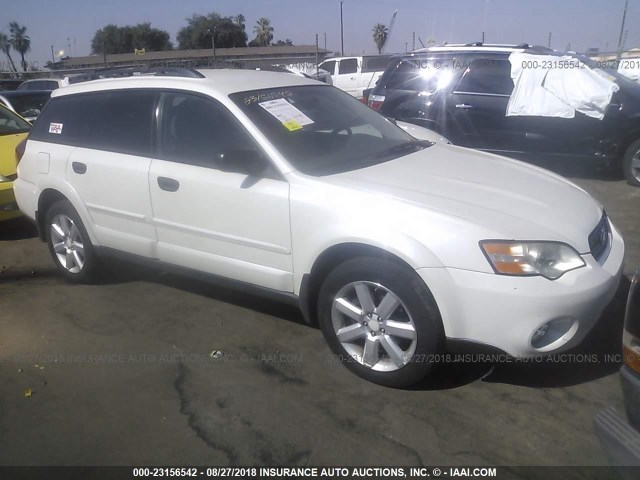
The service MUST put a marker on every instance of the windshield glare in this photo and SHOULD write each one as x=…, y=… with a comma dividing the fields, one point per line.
x=321, y=130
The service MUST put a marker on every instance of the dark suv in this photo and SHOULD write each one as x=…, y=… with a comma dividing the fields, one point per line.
x=462, y=92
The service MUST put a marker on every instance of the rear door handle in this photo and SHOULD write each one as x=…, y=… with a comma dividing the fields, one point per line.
x=168, y=184
x=79, y=168
x=464, y=106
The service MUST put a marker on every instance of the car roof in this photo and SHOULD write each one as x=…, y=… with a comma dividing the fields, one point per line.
x=213, y=81
x=485, y=48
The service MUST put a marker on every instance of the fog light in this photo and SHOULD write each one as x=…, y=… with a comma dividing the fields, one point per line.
x=554, y=333
x=539, y=334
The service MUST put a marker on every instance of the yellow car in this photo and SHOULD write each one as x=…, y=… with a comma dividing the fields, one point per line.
x=13, y=129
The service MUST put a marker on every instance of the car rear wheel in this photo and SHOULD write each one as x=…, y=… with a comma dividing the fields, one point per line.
x=69, y=243
x=381, y=321
x=631, y=164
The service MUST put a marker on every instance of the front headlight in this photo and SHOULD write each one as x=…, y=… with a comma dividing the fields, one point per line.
x=549, y=259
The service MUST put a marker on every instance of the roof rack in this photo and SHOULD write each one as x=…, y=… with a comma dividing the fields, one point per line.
x=136, y=71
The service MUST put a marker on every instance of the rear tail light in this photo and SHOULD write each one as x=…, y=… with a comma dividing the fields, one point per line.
x=376, y=101
x=20, y=148
x=631, y=348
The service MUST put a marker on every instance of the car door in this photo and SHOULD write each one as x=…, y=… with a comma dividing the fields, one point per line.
x=347, y=77
x=477, y=107
x=211, y=219
x=109, y=169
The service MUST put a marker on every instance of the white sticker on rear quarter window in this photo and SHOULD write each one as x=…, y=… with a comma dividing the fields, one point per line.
x=55, y=128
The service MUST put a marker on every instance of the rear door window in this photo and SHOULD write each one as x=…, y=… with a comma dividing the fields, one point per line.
x=347, y=66
x=125, y=122
x=487, y=76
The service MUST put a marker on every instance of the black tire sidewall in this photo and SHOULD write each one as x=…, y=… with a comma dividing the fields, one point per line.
x=626, y=163
x=409, y=287
x=86, y=274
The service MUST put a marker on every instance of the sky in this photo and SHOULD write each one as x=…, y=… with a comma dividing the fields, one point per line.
x=69, y=25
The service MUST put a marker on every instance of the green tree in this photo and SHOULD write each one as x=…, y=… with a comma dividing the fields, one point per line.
x=263, y=31
x=380, y=35
x=20, y=41
x=113, y=39
x=240, y=21
x=199, y=29
x=5, y=46
x=281, y=43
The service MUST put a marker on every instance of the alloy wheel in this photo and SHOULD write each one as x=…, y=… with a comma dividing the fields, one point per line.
x=373, y=326
x=67, y=243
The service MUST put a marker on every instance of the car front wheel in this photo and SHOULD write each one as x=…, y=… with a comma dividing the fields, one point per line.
x=381, y=321
x=631, y=164
x=69, y=243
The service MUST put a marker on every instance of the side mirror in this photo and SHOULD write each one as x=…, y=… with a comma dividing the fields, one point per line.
x=242, y=160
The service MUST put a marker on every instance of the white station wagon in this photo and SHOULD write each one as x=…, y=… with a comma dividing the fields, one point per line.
x=397, y=247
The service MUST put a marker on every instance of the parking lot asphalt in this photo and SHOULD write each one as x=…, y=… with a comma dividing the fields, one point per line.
x=153, y=368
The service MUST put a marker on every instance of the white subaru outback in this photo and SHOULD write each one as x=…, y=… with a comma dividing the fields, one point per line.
x=394, y=245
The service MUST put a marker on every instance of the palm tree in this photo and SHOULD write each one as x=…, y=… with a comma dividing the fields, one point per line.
x=239, y=19
x=5, y=46
x=380, y=35
x=20, y=41
x=263, y=31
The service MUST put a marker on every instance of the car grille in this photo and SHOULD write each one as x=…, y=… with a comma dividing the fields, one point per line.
x=600, y=239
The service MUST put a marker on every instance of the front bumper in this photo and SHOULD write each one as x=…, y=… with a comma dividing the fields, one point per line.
x=620, y=439
x=504, y=312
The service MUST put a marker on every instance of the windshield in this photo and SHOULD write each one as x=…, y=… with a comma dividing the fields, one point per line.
x=29, y=105
x=10, y=123
x=321, y=130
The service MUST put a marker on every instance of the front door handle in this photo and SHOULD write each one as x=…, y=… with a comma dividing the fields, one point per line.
x=168, y=184
x=464, y=106
x=79, y=168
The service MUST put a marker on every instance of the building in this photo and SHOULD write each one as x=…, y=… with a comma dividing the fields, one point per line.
x=247, y=57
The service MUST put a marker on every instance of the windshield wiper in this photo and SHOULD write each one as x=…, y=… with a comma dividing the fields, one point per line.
x=406, y=147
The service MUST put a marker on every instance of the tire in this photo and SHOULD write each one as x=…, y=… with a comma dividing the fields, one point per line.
x=412, y=306
x=68, y=241
x=631, y=164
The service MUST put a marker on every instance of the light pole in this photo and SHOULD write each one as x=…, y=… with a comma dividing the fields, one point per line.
x=53, y=58
x=624, y=17
x=212, y=31
x=325, y=41
x=341, y=31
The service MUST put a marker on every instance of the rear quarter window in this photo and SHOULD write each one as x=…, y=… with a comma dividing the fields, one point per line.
x=65, y=120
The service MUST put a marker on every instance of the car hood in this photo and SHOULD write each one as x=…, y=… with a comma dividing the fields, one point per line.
x=511, y=199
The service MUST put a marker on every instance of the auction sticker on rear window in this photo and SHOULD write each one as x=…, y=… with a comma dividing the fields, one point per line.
x=55, y=128
x=290, y=117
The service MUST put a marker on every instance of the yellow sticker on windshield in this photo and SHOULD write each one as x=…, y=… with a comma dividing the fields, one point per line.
x=292, y=125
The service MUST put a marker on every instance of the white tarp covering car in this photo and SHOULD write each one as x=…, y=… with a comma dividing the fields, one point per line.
x=630, y=68
x=558, y=86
